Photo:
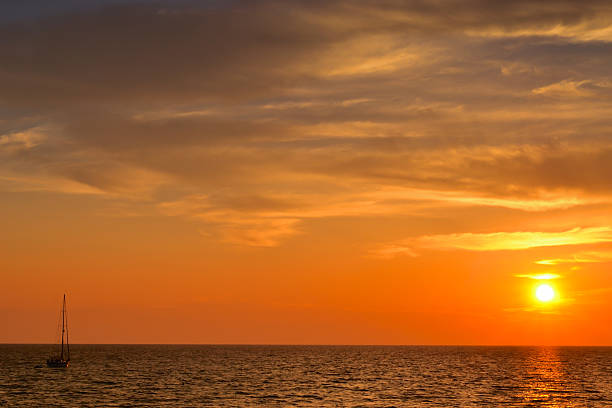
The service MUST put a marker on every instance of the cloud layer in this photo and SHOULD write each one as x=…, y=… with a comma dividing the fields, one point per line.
x=251, y=118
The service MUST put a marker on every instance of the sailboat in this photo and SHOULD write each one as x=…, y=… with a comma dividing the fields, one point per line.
x=62, y=359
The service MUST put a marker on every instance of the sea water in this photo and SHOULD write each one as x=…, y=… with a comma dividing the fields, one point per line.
x=307, y=376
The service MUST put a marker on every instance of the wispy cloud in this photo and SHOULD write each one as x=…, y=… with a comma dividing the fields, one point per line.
x=498, y=241
x=539, y=276
x=582, y=257
x=261, y=232
x=22, y=140
x=501, y=241
x=256, y=221
x=391, y=251
x=564, y=88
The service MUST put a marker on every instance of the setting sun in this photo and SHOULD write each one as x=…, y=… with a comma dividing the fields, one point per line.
x=545, y=293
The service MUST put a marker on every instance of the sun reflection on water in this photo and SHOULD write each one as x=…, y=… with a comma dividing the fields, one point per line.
x=545, y=380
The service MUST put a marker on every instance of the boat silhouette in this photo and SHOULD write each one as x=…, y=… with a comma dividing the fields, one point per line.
x=62, y=358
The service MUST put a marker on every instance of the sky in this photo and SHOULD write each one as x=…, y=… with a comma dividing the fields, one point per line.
x=306, y=172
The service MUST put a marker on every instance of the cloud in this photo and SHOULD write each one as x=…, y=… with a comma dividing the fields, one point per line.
x=564, y=88
x=516, y=240
x=245, y=220
x=261, y=233
x=501, y=241
x=548, y=202
x=391, y=251
x=582, y=257
x=13, y=142
x=540, y=276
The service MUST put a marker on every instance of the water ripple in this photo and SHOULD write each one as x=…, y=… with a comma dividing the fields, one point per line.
x=308, y=376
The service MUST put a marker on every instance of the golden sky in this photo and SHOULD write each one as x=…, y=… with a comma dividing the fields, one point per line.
x=327, y=172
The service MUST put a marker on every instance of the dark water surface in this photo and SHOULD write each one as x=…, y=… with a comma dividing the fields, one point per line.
x=317, y=376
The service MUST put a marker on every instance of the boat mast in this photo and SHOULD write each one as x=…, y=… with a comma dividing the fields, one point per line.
x=63, y=312
x=67, y=342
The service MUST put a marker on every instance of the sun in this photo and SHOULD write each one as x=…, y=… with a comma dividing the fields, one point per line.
x=544, y=293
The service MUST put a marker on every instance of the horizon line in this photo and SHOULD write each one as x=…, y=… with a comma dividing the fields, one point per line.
x=309, y=345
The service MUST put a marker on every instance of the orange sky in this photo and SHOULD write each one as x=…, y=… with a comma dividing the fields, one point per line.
x=307, y=172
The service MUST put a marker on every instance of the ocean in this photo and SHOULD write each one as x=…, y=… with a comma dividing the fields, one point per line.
x=307, y=376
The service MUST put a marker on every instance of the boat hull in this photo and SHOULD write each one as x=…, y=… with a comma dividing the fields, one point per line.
x=57, y=363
